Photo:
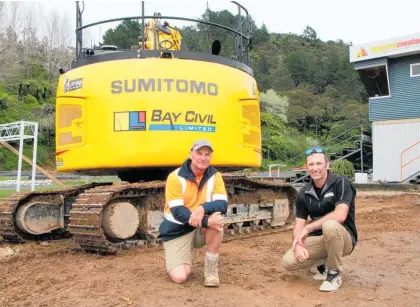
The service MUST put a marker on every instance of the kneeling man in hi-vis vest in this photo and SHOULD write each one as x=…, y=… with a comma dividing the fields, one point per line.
x=195, y=198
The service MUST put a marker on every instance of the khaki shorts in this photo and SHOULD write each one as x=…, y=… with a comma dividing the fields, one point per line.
x=179, y=251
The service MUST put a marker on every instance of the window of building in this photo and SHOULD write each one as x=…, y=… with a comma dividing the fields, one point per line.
x=415, y=70
x=376, y=80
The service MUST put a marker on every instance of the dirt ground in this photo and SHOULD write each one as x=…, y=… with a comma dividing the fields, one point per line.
x=384, y=270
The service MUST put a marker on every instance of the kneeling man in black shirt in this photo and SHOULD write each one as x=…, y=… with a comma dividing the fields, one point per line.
x=331, y=233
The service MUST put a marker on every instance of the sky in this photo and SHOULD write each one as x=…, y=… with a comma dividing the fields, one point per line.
x=355, y=21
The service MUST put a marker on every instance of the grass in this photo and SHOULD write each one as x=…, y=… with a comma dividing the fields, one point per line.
x=4, y=193
x=2, y=178
x=68, y=183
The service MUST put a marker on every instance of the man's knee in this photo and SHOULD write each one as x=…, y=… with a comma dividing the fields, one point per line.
x=179, y=279
x=330, y=227
x=179, y=274
x=289, y=261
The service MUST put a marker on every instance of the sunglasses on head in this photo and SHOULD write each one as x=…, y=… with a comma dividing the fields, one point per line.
x=314, y=150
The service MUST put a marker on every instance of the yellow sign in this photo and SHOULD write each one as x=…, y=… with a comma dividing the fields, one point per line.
x=393, y=46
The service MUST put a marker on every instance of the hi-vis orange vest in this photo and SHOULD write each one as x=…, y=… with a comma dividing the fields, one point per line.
x=184, y=193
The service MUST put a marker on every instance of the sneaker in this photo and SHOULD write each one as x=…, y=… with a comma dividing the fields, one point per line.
x=332, y=283
x=321, y=272
x=211, y=273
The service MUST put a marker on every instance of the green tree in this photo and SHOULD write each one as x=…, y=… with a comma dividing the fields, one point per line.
x=125, y=35
x=274, y=104
x=260, y=35
x=310, y=33
x=300, y=64
x=303, y=105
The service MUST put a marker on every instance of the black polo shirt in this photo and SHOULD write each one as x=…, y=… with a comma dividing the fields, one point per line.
x=336, y=190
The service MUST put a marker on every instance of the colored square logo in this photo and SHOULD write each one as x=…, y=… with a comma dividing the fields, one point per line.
x=130, y=121
x=138, y=120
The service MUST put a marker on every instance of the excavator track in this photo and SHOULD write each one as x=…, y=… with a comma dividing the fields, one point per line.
x=86, y=215
x=7, y=209
x=274, y=203
x=253, y=207
x=9, y=206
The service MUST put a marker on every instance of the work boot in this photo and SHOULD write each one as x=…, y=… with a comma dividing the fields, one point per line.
x=211, y=273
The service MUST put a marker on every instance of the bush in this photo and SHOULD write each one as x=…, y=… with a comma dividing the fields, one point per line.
x=4, y=101
x=343, y=168
x=29, y=99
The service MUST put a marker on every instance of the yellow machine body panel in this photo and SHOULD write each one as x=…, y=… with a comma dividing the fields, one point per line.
x=146, y=113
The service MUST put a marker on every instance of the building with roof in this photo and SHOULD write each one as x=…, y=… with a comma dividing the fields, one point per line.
x=390, y=72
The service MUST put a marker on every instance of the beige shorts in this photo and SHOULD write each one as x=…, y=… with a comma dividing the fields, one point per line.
x=179, y=251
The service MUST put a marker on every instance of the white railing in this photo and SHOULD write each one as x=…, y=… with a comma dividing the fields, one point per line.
x=20, y=131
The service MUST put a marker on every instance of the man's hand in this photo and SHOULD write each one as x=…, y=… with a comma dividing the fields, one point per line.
x=302, y=236
x=301, y=253
x=216, y=221
x=196, y=217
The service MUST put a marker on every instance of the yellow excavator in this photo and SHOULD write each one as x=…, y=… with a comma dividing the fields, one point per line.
x=135, y=113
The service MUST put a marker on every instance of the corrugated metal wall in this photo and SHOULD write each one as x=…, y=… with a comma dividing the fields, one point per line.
x=404, y=101
x=390, y=138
